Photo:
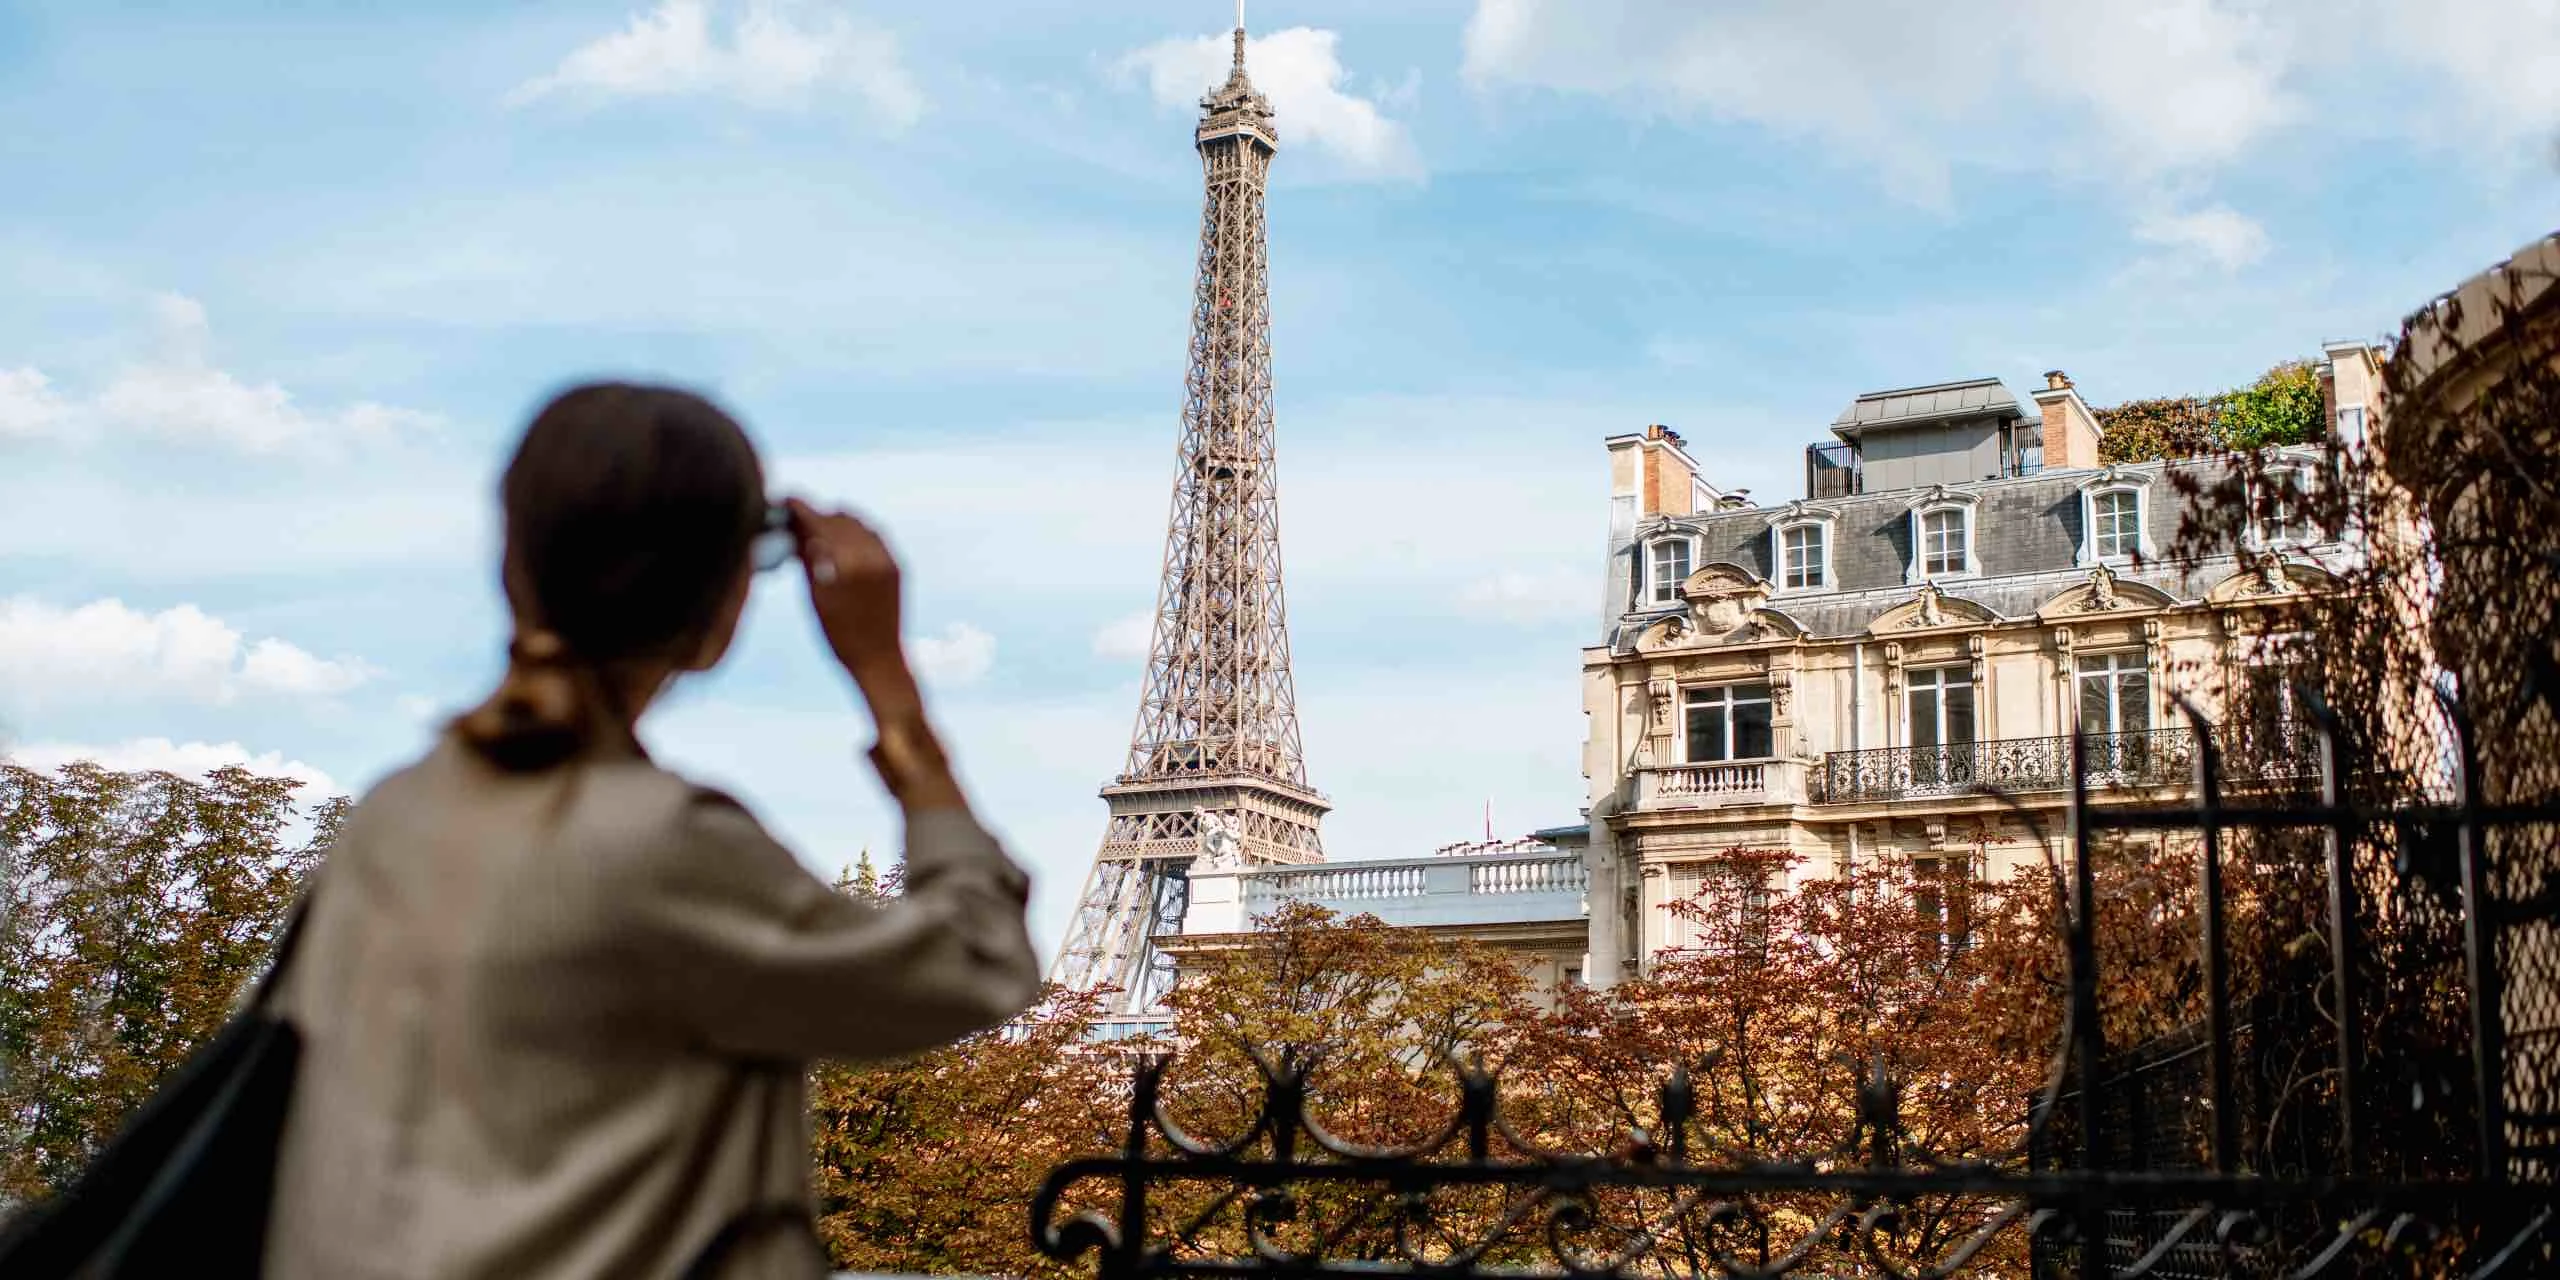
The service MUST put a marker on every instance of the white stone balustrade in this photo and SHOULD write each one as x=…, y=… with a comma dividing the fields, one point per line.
x=1458, y=890
x=1706, y=786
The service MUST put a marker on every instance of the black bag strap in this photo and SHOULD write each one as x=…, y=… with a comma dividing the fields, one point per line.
x=752, y=1222
x=223, y=1106
x=285, y=942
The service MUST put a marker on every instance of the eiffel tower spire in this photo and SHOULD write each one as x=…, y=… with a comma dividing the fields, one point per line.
x=1216, y=739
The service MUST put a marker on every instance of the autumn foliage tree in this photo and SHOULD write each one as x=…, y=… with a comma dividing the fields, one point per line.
x=2282, y=406
x=135, y=909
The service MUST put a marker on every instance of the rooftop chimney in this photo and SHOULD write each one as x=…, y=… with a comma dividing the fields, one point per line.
x=2070, y=429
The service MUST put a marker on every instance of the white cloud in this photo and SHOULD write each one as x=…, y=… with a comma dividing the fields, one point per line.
x=2218, y=233
x=106, y=650
x=186, y=759
x=1301, y=71
x=1126, y=639
x=28, y=404
x=772, y=53
x=961, y=655
x=277, y=667
x=1911, y=89
x=1513, y=595
x=178, y=394
x=2498, y=59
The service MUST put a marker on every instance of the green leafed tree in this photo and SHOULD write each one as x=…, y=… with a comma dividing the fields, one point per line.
x=135, y=910
x=2284, y=406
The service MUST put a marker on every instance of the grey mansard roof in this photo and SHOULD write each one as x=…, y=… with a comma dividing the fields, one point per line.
x=2026, y=540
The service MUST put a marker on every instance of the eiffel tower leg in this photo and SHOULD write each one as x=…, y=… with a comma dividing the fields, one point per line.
x=1168, y=891
x=1090, y=957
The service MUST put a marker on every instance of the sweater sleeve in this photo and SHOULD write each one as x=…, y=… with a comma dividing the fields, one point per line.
x=760, y=958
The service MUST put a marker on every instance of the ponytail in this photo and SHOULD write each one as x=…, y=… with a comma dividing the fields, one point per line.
x=630, y=515
x=544, y=712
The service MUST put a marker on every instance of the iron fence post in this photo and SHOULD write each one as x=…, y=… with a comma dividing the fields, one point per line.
x=2338, y=851
x=2084, y=1006
x=2217, y=983
x=2479, y=955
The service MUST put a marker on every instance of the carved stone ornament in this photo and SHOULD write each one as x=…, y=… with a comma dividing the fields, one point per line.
x=2267, y=575
x=1220, y=848
x=1660, y=691
x=1722, y=597
x=1781, y=692
x=1932, y=611
x=2102, y=592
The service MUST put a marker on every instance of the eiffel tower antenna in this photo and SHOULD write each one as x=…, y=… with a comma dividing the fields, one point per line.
x=1216, y=741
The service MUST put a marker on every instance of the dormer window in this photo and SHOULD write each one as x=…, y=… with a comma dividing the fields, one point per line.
x=1801, y=535
x=2114, y=520
x=1942, y=537
x=2116, y=523
x=1804, y=558
x=2284, y=508
x=1666, y=567
x=1943, y=542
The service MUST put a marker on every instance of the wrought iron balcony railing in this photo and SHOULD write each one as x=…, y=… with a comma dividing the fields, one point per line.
x=2149, y=758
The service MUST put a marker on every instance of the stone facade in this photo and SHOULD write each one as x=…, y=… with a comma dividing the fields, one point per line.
x=1838, y=679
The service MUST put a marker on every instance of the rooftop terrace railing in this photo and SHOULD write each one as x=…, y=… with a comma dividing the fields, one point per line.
x=1435, y=890
x=1830, y=470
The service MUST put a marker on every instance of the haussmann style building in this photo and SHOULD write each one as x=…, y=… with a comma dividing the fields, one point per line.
x=1962, y=589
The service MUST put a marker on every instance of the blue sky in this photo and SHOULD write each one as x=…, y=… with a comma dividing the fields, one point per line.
x=279, y=283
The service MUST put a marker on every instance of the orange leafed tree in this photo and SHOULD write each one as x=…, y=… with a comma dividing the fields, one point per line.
x=135, y=909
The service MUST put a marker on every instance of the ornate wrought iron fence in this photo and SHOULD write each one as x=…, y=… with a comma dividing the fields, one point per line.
x=2143, y=1175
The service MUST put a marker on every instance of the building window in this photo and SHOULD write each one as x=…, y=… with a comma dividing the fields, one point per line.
x=1716, y=906
x=1729, y=722
x=1941, y=895
x=2115, y=694
x=1801, y=557
x=2275, y=726
x=1940, y=702
x=1669, y=566
x=2284, y=517
x=2115, y=523
x=1943, y=542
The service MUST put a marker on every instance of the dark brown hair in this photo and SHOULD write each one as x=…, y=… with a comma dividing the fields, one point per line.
x=629, y=513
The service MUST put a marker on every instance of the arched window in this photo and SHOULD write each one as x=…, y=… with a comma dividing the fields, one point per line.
x=2115, y=520
x=1667, y=561
x=1942, y=538
x=1804, y=557
x=2283, y=507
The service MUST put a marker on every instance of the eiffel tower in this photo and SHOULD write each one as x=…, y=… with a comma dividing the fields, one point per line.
x=1216, y=743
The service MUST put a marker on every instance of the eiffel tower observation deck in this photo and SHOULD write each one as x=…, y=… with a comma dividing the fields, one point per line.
x=1215, y=769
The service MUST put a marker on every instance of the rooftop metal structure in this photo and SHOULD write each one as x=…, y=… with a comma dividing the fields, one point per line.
x=1938, y=402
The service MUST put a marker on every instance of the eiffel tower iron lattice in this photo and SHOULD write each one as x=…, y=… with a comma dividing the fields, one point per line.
x=1216, y=743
